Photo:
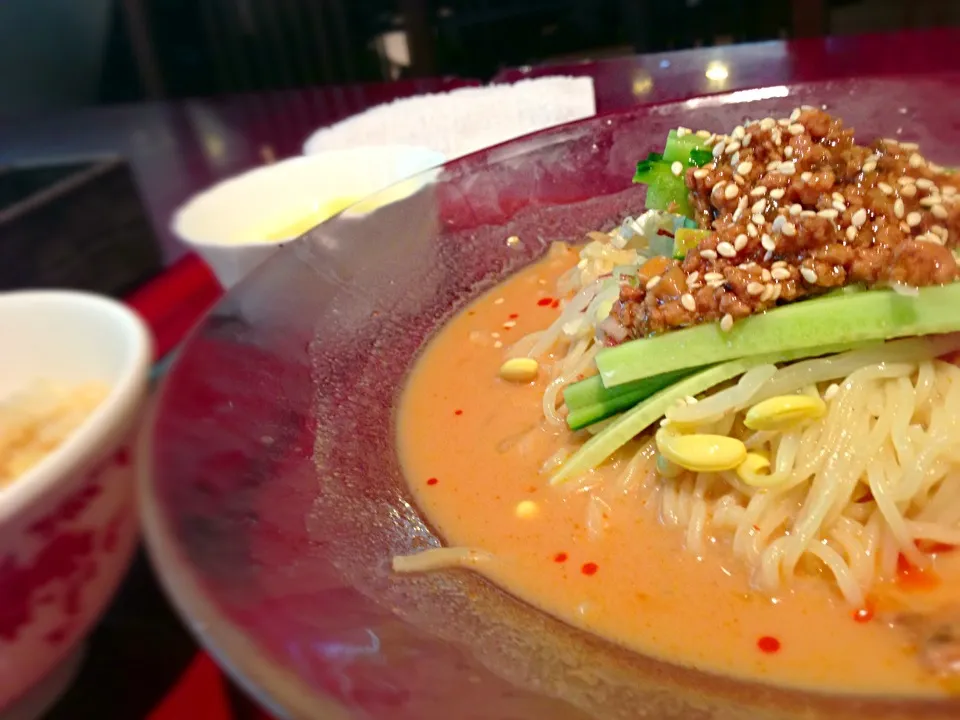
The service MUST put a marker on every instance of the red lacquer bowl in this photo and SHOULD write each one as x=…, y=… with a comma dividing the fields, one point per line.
x=276, y=500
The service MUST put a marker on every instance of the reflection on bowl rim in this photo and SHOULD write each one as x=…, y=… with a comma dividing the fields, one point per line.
x=195, y=203
x=88, y=439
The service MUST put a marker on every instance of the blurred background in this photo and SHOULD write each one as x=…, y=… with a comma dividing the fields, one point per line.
x=59, y=54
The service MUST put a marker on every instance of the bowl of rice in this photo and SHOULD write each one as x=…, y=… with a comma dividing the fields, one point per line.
x=73, y=380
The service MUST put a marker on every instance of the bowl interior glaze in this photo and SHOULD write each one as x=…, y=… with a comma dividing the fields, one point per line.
x=275, y=500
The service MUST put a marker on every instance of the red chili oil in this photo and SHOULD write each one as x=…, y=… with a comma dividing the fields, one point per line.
x=768, y=644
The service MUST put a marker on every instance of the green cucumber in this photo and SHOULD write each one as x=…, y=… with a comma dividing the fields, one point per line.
x=855, y=318
x=588, y=401
x=685, y=240
x=687, y=149
x=631, y=423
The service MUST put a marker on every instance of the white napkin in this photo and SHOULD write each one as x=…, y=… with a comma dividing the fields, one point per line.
x=463, y=121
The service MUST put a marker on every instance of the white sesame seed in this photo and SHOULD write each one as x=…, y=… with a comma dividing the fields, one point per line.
x=916, y=161
x=777, y=193
x=758, y=219
x=754, y=288
x=909, y=146
x=795, y=115
x=930, y=238
x=939, y=212
x=712, y=276
x=708, y=254
x=735, y=159
x=741, y=207
x=773, y=165
x=726, y=323
x=885, y=188
x=767, y=293
x=890, y=141
x=872, y=157
x=777, y=137
x=908, y=191
x=788, y=152
x=718, y=150
x=796, y=209
x=653, y=282
x=898, y=208
x=809, y=275
x=744, y=168
x=779, y=222
x=780, y=263
x=806, y=176
x=829, y=214
x=726, y=250
x=859, y=217
x=752, y=230
x=740, y=243
x=693, y=277
x=839, y=206
x=747, y=140
x=676, y=168
x=700, y=173
x=789, y=229
x=837, y=197
x=738, y=132
x=718, y=187
x=940, y=231
x=905, y=180
x=808, y=213
x=777, y=289
x=682, y=132
x=869, y=167
x=703, y=133
x=732, y=147
x=780, y=273
x=759, y=191
x=765, y=274
x=731, y=191
x=930, y=200
x=904, y=227
x=768, y=243
x=688, y=302
x=851, y=233
x=787, y=168
x=914, y=219
x=924, y=183
x=509, y=324
x=796, y=129
x=758, y=207
x=783, y=122
x=767, y=123
x=716, y=284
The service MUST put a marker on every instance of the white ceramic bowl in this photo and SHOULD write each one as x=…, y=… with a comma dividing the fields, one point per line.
x=68, y=526
x=226, y=224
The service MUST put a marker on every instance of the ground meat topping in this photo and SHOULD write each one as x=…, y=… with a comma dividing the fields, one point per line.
x=798, y=208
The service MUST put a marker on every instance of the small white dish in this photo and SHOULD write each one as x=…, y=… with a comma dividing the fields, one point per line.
x=68, y=525
x=238, y=223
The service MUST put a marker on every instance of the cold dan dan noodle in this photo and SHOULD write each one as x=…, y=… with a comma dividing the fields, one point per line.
x=724, y=433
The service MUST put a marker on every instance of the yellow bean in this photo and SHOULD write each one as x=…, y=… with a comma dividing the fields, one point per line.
x=701, y=453
x=520, y=370
x=755, y=472
x=778, y=413
x=527, y=509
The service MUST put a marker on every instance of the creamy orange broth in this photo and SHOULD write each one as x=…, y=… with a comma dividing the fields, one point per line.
x=471, y=446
